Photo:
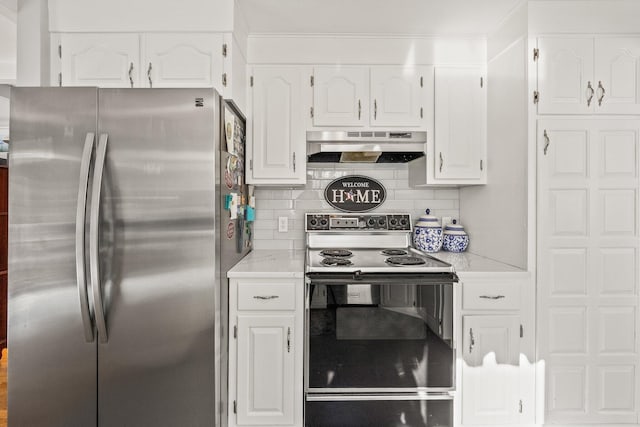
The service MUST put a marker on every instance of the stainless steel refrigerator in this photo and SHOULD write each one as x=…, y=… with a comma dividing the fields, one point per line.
x=119, y=243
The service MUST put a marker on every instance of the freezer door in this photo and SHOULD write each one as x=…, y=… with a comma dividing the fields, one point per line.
x=157, y=257
x=52, y=362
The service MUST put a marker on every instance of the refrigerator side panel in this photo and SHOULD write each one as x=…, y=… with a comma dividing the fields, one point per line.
x=157, y=247
x=234, y=242
x=52, y=368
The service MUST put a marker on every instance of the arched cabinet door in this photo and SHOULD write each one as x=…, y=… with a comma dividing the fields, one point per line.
x=183, y=60
x=618, y=75
x=99, y=59
x=276, y=151
x=398, y=95
x=340, y=96
x=566, y=82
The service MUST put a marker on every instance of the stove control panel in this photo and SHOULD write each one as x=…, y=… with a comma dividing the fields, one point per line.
x=351, y=222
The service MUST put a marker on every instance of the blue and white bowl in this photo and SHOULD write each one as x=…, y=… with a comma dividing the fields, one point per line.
x=455, y=239
x=427, y=234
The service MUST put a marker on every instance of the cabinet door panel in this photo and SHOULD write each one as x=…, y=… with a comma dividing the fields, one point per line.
x=398, y=95
x=103, y=60
x=278, y=146
x=265, y=371
x=460, y=125
x=565, y=75
x=340, y=96
x=618, y=73
x=587, y=271
x=183, y=60
x=490, y=377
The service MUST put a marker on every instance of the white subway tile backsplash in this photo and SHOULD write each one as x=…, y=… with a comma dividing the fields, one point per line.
x=263, y=214
x=262, y=234
x=310, y=205
x=289, y=235
x=273, y=244
x=443, y=193
x=401, y=174
x=272, y=203
x=267, y=224
x=414, y=194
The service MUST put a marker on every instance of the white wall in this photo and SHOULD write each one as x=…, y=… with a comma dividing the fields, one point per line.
x=140, y=15
x=584, y=16
x=8, y=33
x=32, y=67
x=352, y=49
x=272, y=203
x=495, y=215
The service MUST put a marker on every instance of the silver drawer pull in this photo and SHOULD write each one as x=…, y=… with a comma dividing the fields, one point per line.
x=266, y=296
x=491, y=296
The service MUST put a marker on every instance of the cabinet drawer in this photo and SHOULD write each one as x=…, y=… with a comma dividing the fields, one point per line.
x=266, y=296
x=491, y=296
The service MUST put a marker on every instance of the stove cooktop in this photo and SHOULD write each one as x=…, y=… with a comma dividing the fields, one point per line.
x=405, y=260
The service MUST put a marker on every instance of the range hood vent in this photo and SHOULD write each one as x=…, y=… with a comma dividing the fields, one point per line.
x=365, y=146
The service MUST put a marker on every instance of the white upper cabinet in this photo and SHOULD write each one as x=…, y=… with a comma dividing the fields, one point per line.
x=182, y=60
x=460, y=125
x=565, y=75
x=617, y=69
x=377, y=96
x=586, y=75
x=398, y=95
x=277, y=149
x=138, y=60
x=340, y=96
x=105, y=60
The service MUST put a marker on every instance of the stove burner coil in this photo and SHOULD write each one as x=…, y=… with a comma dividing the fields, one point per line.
x=404, y=260
x=332, y=261
x=336, y=253
x=394, y=252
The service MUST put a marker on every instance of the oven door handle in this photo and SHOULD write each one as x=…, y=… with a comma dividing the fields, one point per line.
x=377, y=397
x=382, y=279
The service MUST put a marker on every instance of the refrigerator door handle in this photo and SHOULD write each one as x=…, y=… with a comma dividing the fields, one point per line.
x=81, y=210
x=94, y=228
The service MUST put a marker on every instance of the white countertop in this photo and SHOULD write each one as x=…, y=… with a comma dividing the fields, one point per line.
x=468, y=263
x=264, y=263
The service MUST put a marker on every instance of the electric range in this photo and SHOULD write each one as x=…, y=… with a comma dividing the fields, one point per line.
x=379, y=334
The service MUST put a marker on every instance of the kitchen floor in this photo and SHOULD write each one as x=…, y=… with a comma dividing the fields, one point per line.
x=3, y=389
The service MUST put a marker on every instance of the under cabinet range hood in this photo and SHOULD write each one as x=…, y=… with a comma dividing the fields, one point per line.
x=365, y=146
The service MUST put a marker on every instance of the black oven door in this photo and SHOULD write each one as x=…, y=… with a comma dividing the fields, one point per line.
x=380, y=333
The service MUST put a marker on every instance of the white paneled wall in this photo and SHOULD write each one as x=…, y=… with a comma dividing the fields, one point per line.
x=293, y=203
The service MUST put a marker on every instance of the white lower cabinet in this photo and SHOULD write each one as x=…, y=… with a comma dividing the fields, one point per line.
x=265, y=370
x=490, y=377
x=265, y=352
x=495, y=387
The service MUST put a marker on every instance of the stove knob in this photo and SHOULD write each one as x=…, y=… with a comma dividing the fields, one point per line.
x=323, y=222
x=403, y=222
x=381, y=222
x=393, y=222
x=371, y=222
x=313, y=222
